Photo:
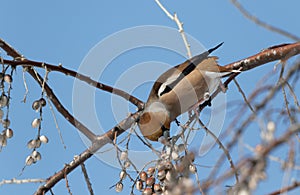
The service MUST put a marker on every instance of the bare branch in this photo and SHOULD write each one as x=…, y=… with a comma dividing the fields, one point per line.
x=278, y=52
x=261, y=23
x=87, y=179
x=286, y=189
x=179, y=25
x=21, y=181
x=97, y=144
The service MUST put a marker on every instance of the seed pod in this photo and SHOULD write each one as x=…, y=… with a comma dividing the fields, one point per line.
x=3, y=141
x=151, y=171
x=34, y=143
x=150, y=181
x=271, y=126
x=126, y=164
x=119, y=187
x=38, y=143
x=43, y=139
x=161, y=175
x=143, y=176
x=36, y=155
x=42, y=102
x=122, y=175
x=147, y=191
x=36, y=105
x=3, y=100
x=36, y=122
x=175, y=155
x=7, y=78
x=139, y=185
x=9, y=133
x=29, y=160
x=124, y=155
x=181, y=148
x=5, y=123
x=157, y=187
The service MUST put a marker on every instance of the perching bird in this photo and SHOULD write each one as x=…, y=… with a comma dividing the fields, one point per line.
x=179, y=90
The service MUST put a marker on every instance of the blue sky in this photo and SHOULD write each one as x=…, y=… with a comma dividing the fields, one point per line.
x=65, y=31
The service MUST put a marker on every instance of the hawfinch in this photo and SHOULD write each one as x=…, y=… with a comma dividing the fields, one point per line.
x=179, y=90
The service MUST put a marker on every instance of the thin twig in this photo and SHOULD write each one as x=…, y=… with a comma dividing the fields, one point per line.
x=294, y=185
x=87, y=179
x=247, y=121
x=25, y=85
x=56, y=123
x=226, y=152
x=180, y=27
x=261, y=23
x=243, y=94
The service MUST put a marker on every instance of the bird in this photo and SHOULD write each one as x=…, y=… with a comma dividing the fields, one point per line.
x=180, y=89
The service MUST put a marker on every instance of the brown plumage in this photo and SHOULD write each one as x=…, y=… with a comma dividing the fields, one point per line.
x=177, y=90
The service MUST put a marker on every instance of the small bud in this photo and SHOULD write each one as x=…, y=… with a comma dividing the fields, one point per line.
x=151, y=171
x=139, y=185
x=9, y=133
x=36, y=105
x=43, y=139
x=150, y=181
x=122, y=175
x=5, y=123
x=143, y=176
x=119, y=187
x=29, y=160
x=124, y=155
x=36, y=122
x=7, y=78
x=3, y=100
x=42, y=102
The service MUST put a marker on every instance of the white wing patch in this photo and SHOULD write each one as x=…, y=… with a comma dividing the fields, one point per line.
x=170, y=80
x=214, y=75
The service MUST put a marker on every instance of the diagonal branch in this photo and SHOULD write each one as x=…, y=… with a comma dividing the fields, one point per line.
x=77, y=75
x=81, y=127
x=278, y=52
x=262, y=23
x=99, y=143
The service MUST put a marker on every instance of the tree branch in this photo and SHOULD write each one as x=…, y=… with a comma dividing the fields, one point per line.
x=261, y=23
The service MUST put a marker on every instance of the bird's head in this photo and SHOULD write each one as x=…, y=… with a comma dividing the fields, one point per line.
x=154, y=120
